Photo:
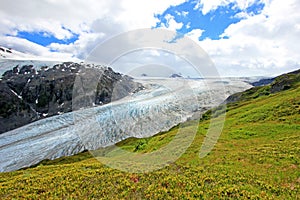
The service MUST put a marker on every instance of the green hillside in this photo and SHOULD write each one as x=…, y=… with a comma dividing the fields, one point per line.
x=257, y=157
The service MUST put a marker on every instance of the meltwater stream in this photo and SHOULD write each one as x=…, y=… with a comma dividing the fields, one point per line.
x=163, y=104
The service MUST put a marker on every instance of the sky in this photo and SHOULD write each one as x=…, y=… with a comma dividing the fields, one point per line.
x=241, y=37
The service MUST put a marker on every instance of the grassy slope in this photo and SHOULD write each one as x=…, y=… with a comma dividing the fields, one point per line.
x=257, y=156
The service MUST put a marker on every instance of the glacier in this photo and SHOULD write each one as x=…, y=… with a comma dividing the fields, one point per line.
x=164, y=103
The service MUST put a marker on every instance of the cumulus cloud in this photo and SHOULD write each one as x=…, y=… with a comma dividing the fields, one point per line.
x=33, y=49
x=264, y=44
x=207, y=6
x=171, y=23
x=80, y=47
x=195, y=34
x=90, y=19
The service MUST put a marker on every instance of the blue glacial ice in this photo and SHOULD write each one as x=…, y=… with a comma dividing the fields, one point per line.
x=163, y=104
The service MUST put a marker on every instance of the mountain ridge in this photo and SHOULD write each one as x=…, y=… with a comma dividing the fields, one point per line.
x=274, y=85
x=28, y=94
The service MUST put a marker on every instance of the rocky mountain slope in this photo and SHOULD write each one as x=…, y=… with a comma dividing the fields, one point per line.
x=29, y=93
x=274, y=85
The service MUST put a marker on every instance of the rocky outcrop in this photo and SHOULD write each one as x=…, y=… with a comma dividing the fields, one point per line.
x=176, y=76
x=285, y=81
x=28, y=94
x=262, y=82
x=280, y=83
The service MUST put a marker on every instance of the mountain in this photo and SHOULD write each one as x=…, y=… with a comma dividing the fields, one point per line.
x=175, y=76
x=29, y=93
x=277, y=84
x=263, y=81
x=256, y=157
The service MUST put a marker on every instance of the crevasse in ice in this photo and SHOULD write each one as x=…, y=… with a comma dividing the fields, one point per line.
x=163, y=104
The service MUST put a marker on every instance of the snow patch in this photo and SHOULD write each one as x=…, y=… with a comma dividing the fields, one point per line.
x=16, y=94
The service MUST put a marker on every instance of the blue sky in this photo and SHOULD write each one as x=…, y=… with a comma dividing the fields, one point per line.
x=44, y=38
x=242, y=37
x=213, y=23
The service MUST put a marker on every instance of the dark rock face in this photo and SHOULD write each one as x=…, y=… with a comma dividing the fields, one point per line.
x=285, y=81
x=175, y=76
x=263, y=82
x=27, y=94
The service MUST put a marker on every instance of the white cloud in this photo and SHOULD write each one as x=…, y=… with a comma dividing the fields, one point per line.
x=33, y=49
x=87, y=18
x=211, y=5
x=188, y=25
x=81, y=47
x=195, y=34
x=184, y=13
x=153, y=62
x=171, y=23
x=140, y=13
x=264, y=44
